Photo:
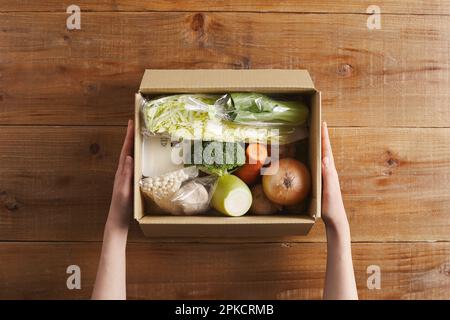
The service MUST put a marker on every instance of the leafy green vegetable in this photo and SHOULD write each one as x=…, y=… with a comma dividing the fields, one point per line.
x=219, y=158
x=259, y=108
x=183, y=113
x=206, y=117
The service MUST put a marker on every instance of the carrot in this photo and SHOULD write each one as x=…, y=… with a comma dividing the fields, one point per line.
x=256, y=155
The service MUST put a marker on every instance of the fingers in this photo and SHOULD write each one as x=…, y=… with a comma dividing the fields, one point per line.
x=327, y=153
x=127, y=147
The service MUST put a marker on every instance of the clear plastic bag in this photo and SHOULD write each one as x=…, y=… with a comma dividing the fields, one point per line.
x=235, y=117
x=180, y=192
x=261, y=110
x=161, y=189
x=194, y=196
x=181, y=113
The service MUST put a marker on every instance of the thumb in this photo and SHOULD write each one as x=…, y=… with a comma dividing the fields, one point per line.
x=128, y=168
x=327, y=165
x=329, y=172
x=325, y=162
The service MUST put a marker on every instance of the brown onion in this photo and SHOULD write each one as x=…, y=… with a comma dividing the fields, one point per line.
x=290, y=184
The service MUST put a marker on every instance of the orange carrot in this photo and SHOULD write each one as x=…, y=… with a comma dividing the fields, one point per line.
x=256, y=155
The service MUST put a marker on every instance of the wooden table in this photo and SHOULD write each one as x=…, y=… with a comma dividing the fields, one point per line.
x=65, y=97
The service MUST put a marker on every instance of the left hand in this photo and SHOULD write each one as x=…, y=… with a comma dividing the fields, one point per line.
x=121, y=209
x=333, y=211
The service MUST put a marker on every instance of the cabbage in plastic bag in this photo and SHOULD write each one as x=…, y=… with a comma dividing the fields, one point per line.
x=251, y=118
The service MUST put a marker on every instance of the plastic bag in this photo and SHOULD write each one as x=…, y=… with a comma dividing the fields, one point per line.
x=160, y=189
x=236, y=117
x=180, y=192
x=261, y=110
x=182, y=113
x=194, y=196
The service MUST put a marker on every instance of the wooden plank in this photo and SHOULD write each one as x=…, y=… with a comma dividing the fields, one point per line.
x=394, y=181
x=56, y=183
x=59, y=178
x=309, y=6
x=396, y=76
x=225, y=271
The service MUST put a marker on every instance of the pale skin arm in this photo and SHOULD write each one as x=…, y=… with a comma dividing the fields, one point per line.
x=111, y=275
x=340, y=281
x=110, y=283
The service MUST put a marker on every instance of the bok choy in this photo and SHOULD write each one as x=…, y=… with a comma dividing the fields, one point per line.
x=256, y=108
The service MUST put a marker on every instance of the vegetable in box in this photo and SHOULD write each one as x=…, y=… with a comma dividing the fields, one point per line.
x=228, y=134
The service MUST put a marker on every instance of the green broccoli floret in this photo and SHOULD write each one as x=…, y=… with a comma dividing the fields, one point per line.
x=218, y=158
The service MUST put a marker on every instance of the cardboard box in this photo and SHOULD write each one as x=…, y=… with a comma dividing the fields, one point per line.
x=222, y=81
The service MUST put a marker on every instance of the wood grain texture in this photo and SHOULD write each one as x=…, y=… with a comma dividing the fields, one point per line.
x=385, y=92
x=225, y=271
x=56, y=183
x=311, y=6
x=393, y=77
x=56, y=176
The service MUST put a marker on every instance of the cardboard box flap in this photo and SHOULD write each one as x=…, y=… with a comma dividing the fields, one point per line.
x=273, y=80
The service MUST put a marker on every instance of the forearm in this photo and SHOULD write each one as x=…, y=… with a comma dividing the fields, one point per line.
x=110, y=283
x=340, y=278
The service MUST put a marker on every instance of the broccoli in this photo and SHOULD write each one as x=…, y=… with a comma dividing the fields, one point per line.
x=218, y=158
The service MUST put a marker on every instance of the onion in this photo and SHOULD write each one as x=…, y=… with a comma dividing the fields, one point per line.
x=290, y=184
x=261, y=205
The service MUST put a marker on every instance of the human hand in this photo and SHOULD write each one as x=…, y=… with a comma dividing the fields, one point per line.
x=333, y=211
x=340, y=276
x=122, y=197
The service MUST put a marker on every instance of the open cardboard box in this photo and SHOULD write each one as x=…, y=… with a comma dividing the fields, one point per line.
x=156, y=82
